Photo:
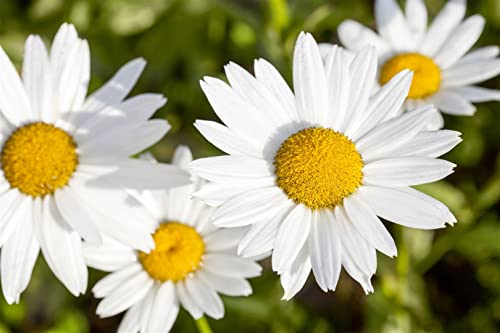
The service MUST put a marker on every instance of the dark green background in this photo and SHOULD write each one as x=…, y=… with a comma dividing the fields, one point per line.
x=444, y=281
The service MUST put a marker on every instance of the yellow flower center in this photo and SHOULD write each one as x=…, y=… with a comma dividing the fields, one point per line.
x=39, y=158
x=318, y=167
x=178, y=252
x=426, y=74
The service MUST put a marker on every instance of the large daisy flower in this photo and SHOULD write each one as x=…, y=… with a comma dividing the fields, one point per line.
x=191, y=263
x=310, y=171
x=445, y=72
x=65, y=161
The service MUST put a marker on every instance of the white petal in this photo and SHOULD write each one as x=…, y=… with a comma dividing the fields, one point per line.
x=470, y=73
x=356, y=273
x=354, y=245
x=481, y=53
x=206, y=298
x=10, y=202
x=71, y=76
x=219, y=168
x=442, y=26
x=406, y=171
x=477, y=94
x=261, y=236
x=268, y=76
x=147, y=308
x=460, y=41
x=292, y=235
x=249, y=207
x=428, y=144
x=369, y=225
x=142, y=107
x=452, y=103
x=294, y=278
x=255, y=93
x=363, y=70
x=19, y=254
x=37, y=79
x=416, y=16
x=223, y=239
x=14, y=102
x=76, y=214
x=164, y=309
x=225, y=285
x=338, y=80
x=309, y=81
x=130, y=322
x=230, y=265
x=125, y=295
x=224, y=139
x=138, y=174
x=356, y=36
x=393, y=133
x=239, y=115
x=187, y=300
x=111, y=282
x=402, y=208
x=61, y=247
x=117, y=88
x=120, y=216
x=109, y=256
x=326, y=250
x=123, y=141
x=65, y=39
x=215, y=194
x=385, y=103
x=392, y=25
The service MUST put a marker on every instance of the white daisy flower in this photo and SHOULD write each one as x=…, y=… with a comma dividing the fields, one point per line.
x=310, y=171
x=65, y=161
x=191, y=262
x=445, y=72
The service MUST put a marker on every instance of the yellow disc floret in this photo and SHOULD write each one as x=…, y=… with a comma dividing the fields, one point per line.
x=39, y=158
x=178, y=252
x=318, y=167
x=426, y=74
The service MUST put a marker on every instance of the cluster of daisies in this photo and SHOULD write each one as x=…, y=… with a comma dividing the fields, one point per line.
x=308, y=175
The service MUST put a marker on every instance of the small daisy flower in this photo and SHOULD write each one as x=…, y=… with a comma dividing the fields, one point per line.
x=65, y=161
x=191, y=263
x=445, y=72
x=310, y=171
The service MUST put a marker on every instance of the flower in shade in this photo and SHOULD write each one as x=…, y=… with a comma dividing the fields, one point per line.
x=65, y=161
x=445, y=72
x=192, y=261
x=311, y=171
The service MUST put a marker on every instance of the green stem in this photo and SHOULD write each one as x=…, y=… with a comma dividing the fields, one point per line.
x=402, y=273
x=202, y=325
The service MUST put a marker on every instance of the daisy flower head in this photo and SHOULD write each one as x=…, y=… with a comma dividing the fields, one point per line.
x=310, y=171
x=192, y=261
x=445, y=70
x=65, y=161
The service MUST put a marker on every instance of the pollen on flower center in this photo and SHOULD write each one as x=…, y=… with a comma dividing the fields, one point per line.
x=39, y=158
x=426, y=74
x=178, y=252
x=318, y=167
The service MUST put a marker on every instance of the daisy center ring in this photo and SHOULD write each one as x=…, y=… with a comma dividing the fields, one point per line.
x=426, y=74
x=39, y=158
x=318, y=167
x=178, y=252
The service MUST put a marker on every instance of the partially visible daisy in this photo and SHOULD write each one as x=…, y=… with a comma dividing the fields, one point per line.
x=191, y=263
x=445, y=72
x=64, y=162
x=309, y=171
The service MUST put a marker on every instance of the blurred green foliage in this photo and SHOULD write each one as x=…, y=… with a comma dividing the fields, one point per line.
x=443, y=281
